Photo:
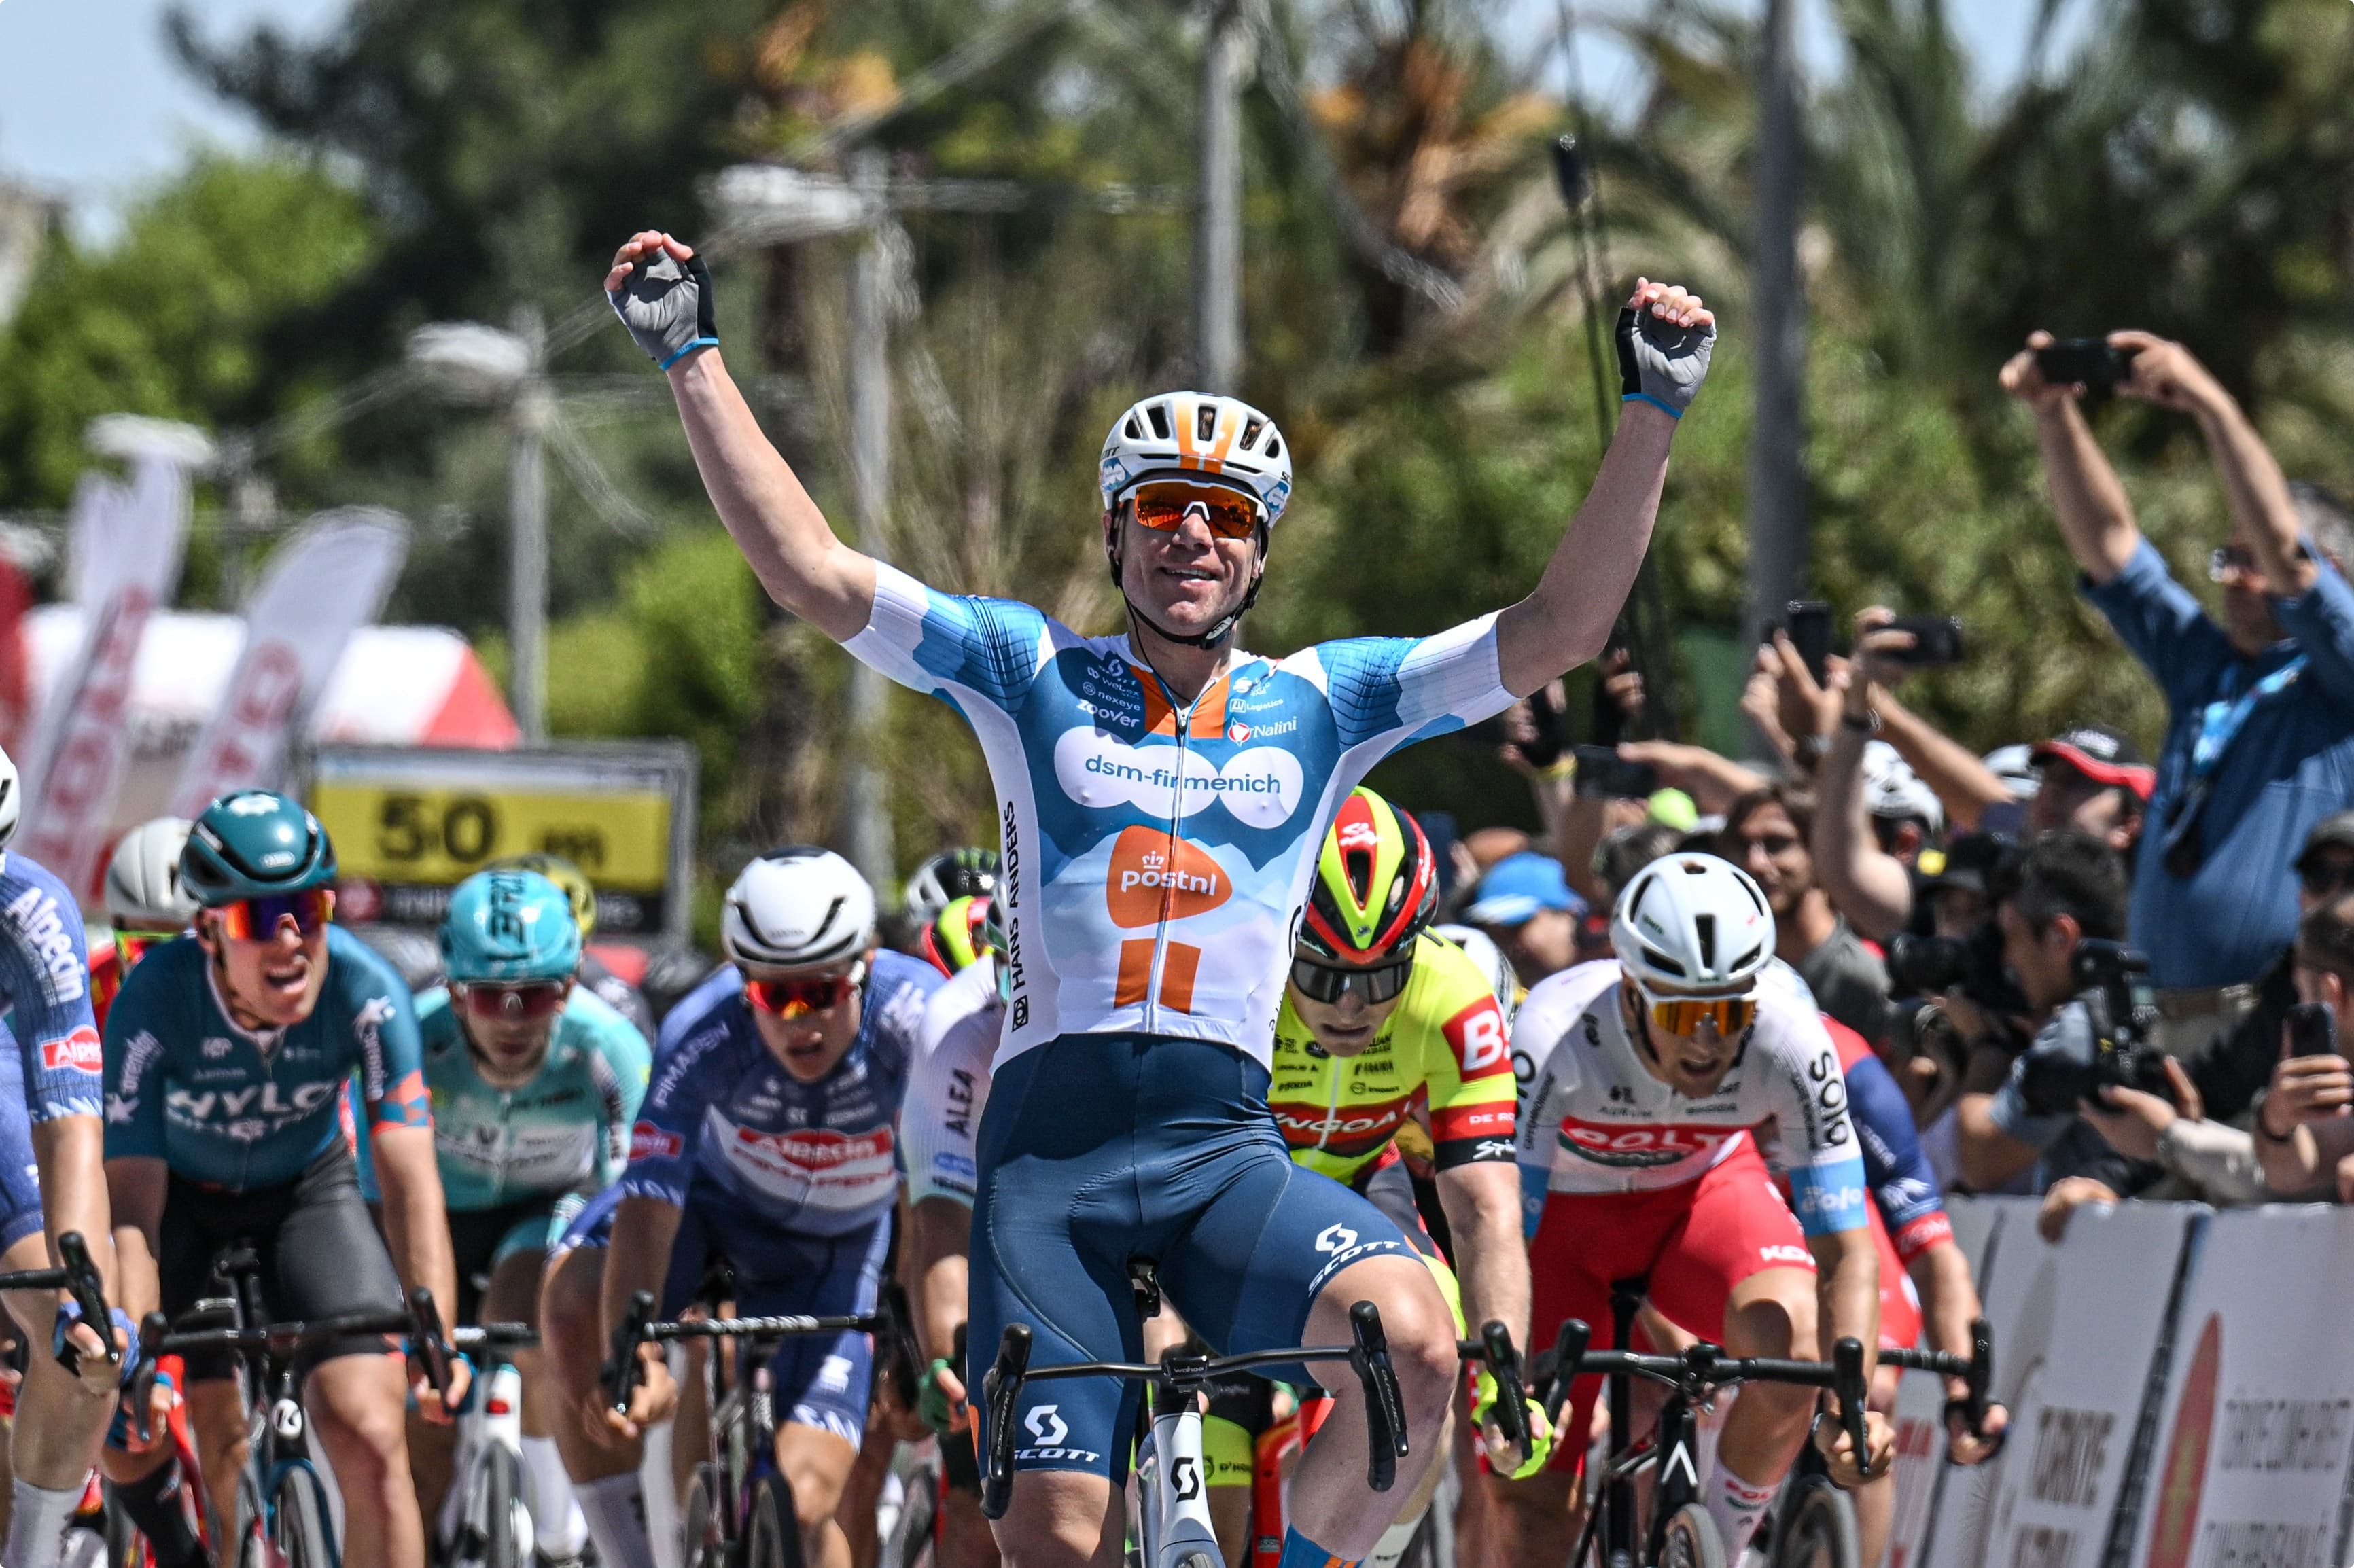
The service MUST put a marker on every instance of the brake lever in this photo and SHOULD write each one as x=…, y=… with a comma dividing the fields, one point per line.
x=1369, y=1358
x=1981, y=1377
x=152, y=1330
x=1568, y=1352
x=89, y=1292
x=1847, y=1387
x=1001, y=1391
x=425, y=1342
x=622, y=1372
x=1511, y=1409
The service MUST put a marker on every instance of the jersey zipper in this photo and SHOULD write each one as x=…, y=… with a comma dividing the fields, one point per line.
x=1182, y=721
x=1332, y=1111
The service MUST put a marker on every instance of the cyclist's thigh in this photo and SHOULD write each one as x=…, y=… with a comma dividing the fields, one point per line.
x=327, y=1258
x=824, y=1380
x=197, y=1223
x=1054, y=1222
x=511, y=1294
x=1737, y=1226
x=1584, y=1241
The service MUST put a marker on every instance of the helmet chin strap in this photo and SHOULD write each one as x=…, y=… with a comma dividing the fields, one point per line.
x=1219, y=634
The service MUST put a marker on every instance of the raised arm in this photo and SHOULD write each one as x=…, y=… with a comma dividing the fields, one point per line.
x=2095, y=518
x=1869, y=885
x=1664, y=339
x=661, y=292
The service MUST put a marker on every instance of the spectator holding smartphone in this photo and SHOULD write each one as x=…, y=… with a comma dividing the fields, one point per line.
x=1766, y=833
x=2260, y=730
x=2304, y=1135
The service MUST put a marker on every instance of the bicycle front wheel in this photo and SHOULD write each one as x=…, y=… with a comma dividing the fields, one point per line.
x=502, y=1483
x=1691, y=1541
x=1818, y=1530
x=774, y=1536
x=702, y=1544
x=298, y=1521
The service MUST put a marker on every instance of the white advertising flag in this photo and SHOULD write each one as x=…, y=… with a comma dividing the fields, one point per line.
x=325, y=583
x=126, y=555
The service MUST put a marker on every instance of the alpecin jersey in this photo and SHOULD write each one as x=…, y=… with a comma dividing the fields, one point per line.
x=1155, y=854
x=810, y=1160
x=45, y=985
x=1596, y=1120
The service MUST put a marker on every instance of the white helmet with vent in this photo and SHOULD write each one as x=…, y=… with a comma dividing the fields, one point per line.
x=1195, y=435
x=798, y=908
x=1692, y=923
x=142, y=878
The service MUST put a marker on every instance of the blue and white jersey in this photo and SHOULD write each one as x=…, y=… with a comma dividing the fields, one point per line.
x=815, y=1159
x=45, y=985
x=1156, y=854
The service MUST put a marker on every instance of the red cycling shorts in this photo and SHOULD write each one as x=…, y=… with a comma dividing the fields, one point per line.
x=1695, y=1241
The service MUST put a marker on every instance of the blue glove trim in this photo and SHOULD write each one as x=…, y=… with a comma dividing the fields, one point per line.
x=1654, y=402
x=690, y=348
x=69, y=1313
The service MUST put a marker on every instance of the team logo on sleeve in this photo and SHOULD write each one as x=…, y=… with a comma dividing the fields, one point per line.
x=77, y=1052
x=648, y=1141
x=1477, y=1036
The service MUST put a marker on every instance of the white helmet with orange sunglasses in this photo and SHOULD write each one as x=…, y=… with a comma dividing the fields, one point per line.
x=1179, y=452
x=1692, y=932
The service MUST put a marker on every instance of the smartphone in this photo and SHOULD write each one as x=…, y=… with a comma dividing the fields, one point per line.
x=2087, y=362
x=1604, y=774
x=1809, y=625
x=1937, y=641
x=2312, y=1030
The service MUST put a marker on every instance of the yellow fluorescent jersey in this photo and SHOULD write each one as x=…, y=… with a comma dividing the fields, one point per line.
x=1444, y=1045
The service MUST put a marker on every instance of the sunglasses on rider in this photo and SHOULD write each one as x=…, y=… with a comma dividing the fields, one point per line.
x=257, y=919
x=527, y=1003
x=1163, y=504
x=796, y=996
x=1328, y=984
x=1683, y=1014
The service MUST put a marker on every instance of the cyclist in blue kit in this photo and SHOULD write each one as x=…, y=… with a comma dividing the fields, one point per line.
x=1163, y=797
x=768, y=1138
x=228, y=1051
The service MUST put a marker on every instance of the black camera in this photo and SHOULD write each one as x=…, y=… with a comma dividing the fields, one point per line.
x=2106, y=975
x=1923, y=966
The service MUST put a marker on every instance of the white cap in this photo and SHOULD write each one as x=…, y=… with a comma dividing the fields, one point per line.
x=1891, y=788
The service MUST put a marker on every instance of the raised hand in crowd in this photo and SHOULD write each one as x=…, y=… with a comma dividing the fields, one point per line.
x=2135, y=1122
x=1870, y=886
x=1713, y=781
x=1619, y=697
x=2063, y=1198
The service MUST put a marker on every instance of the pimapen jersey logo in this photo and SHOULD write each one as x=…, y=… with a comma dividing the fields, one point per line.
x=1260, y=787
x=1050, y=1434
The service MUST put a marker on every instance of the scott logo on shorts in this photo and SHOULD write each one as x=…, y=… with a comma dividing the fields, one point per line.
x=1048, y=1428
x=1334, y=1237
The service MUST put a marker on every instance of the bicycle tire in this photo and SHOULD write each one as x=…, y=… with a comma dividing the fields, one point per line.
x=252, y=1545
x=1691, y=1541
x=299, y=1524
x=1816, y=1527
x=772, y=1536
x=912, y=1532
x=700, y=1542
x=500, y=1546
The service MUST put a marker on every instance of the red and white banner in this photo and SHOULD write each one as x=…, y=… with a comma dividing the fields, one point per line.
x=323, y=583
x=125, y=561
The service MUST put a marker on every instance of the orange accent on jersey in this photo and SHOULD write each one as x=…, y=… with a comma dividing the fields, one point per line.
x=1153, y=877
x=1135, y=973
x=1209, y=715
x=1177, y=971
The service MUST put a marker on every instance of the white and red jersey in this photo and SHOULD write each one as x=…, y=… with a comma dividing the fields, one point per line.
x=1595, y=1120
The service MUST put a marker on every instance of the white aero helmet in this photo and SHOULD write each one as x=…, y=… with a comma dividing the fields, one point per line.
x=11, y=800
x=799, y=908
x=1195, y=435
x=142, y=878
x=1482, y=950
x=1692, y=923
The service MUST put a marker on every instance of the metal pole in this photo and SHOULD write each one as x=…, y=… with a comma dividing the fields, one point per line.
x=252, y=514
x=866, y=799
x=528, y=540
x=1218, y=235
x=1777, y=481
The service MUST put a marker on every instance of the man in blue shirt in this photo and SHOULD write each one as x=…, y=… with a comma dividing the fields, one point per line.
x=2260, y=708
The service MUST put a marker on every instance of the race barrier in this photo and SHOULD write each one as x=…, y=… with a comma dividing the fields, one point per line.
x=2180, y=1384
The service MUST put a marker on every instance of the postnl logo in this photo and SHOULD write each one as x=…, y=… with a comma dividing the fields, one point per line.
x=1152, y=875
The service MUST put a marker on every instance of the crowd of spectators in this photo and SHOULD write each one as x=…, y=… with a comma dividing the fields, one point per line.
x=2099, y=976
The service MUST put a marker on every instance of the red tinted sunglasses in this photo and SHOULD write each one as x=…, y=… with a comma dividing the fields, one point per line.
x=256, y=919
x=514, y=1003
x=795, y=996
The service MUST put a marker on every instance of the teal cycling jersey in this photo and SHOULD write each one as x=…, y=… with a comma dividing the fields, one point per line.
x=1156, y=852
x=241, y=1109
x=567, y=1130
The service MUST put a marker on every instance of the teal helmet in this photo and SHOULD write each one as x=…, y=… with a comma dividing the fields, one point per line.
x=252, y=845
x=509, y=928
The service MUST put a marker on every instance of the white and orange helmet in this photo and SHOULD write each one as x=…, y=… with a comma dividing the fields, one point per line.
x=1197, y=435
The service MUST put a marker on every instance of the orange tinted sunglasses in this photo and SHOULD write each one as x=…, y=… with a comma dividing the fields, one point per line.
x=1163, y=504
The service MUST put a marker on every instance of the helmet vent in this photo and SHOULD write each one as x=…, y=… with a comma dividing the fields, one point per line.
x=1274, y=448
x=1666, y=965
x=1159, y=415
x=1704, y=928
x=1751, y=957
x=1132, y=431
x=1360, y=863
x=1251, y=427
x=1206, y=421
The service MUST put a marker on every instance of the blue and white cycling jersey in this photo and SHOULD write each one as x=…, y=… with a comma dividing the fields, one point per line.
x=1155, y=854
x=45, y=985
x=808, y=1159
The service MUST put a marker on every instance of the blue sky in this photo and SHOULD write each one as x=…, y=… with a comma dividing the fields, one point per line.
x=92, y=107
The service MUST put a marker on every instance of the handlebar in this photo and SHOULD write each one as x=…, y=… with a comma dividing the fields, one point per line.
x=83, y=1283
x=1367, y=1353
x=622, y=1369
x=426, y=1343
x=1494, y=1346
x=639, y=1326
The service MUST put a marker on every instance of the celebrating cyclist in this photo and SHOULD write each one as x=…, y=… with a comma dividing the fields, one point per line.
x=535, y=1082
x=1637, y=1160
x=50, y=1144
x=145, y=903
x=766, y=1139
x=227, y=1052
x=1162, y=795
